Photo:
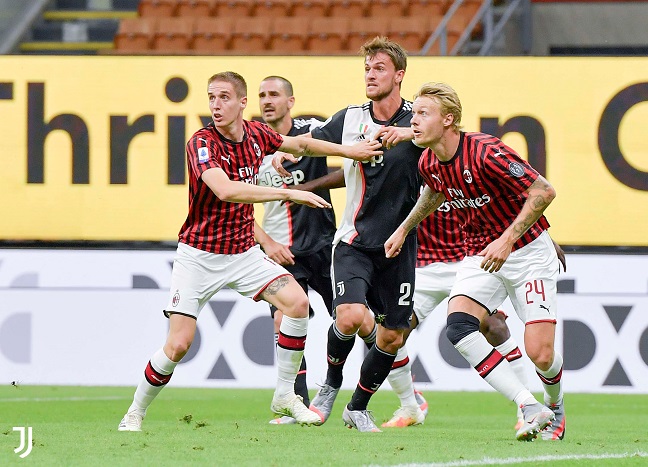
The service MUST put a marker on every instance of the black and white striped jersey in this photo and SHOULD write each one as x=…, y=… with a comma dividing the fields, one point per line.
x=380, y=192
x=303, y=229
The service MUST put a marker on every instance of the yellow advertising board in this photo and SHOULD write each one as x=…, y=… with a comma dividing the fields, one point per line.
x=92, y=148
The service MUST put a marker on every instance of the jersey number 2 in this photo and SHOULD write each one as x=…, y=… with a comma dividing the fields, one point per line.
x=406, y=291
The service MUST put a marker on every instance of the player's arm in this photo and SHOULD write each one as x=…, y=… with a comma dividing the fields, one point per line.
x=241, y=192
x=540, y=195
x=427, y=203
x=311, y=147
x=392, y=135
x=277, y=252
x=327, y=182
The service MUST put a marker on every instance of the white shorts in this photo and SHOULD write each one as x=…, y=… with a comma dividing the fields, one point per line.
x=433, y=284
x=197, y=275
x=528, y=278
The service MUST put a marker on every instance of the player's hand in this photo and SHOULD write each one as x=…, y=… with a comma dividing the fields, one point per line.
x=278, y=160
x=561, y=255
x=495, y=255
x=394, y=243
x=309, y=199
x=390, y=136
x=279, y=253
x=365, y=150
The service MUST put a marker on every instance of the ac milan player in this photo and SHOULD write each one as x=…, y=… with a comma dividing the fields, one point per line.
x=380, y=194
x=295, y=236
x=216, y=243
x=499, y=200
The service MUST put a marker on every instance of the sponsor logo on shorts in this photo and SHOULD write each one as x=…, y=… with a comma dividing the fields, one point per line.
x=176, y=299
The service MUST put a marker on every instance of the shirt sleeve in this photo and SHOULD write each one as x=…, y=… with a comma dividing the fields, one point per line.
x=504, y=164
x=201, y=154
x=424, y=163
x=331, y=130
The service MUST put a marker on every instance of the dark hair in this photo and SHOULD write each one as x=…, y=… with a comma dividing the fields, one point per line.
x=392, y=49
x=287, y=85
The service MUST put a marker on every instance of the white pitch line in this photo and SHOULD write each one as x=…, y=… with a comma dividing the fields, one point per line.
x=521, y=460
x=63, y=399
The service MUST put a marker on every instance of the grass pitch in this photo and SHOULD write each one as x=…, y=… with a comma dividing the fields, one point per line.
x=78, y=426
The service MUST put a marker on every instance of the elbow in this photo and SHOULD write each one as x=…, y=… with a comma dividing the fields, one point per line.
x=551, y=193
x=225, y=194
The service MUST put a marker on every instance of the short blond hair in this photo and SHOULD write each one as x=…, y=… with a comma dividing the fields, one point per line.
x=446, y=97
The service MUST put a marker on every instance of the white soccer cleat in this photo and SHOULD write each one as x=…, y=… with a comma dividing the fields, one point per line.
x=404, y=417
x=285, y=420
x=292, y=405
x=420, y=400
x=132, y=421
x=537, y=417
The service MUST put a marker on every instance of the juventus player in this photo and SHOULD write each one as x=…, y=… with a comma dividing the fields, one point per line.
x=216, y=243
x=499, y=199
x=380, y=194
x=293, y=235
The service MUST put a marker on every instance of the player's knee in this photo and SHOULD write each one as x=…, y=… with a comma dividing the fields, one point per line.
x=177, y=347
x=542, y=356
x=495, y=329
x=349, y=318
x=460, y=325
x=298, y=307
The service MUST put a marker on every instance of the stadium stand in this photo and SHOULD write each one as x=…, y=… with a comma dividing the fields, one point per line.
x=288, y=35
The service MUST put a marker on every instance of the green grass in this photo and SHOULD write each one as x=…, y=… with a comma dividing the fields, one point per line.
x=230, y=427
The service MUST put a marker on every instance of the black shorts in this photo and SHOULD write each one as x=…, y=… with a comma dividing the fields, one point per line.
x=386, y=285
x=314, y=271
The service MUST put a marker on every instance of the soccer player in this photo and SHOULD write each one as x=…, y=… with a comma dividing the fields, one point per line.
x=293, y=235
x=216, y=243
x=499, y=200
x=380, y=194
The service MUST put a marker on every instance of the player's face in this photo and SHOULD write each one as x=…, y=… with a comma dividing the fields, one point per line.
x=427, y=122
x=225, y=105
x=274, y=103
x=381, y=77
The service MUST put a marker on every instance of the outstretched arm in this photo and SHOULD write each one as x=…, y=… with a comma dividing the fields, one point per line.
x=540, y=195
x=241, y=192
x=328, y=181
x=428, y=202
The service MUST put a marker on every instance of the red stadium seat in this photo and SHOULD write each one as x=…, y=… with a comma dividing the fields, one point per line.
x=288, y=35
x=196, y=7
x=157, y=8
x=311, y=8
x=328, y=35
x=250, y=35
x=135, y=35
x=173, y=35
x=273, y=8
x=363, y=29
x=211, y=35
x=238, y=8
x=418, y=8
x=412, y=32
x=386, y=8
x=348, y=8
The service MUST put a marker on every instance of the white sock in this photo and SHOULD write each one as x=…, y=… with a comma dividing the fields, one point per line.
x=146, y=392
x=551, y=380
x=290, y=350
x=493, y=367
x=400, y=379
x=513, y=355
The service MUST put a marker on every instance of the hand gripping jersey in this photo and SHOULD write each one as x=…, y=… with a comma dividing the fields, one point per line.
x=484, y=184
x=212, y=224
x=305, y=230
x=382, y=191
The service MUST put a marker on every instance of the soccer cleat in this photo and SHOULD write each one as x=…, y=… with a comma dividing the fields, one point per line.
x=520, y=419
x=322, y=403
x=285, y=420
x=556, y=431
x=293, y=406
x=405, y=416
x=537, y=417
x=362, y=420
x=420, y=400
x=132, y=421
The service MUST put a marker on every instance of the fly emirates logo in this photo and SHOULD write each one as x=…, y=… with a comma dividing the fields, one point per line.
x=458, y=200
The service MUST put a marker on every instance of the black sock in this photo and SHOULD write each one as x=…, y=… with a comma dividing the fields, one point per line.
x=375, y=368
x=300, y=383
x=338, y=348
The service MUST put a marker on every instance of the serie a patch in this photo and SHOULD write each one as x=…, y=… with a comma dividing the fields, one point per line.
x=203, y=155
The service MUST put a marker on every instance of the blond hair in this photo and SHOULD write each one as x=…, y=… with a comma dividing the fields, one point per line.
x=447, y=98
x=236, y=80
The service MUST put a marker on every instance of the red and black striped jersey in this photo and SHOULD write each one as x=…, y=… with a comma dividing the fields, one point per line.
x=212, y=224
x=440, y=239
x=484, y=184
